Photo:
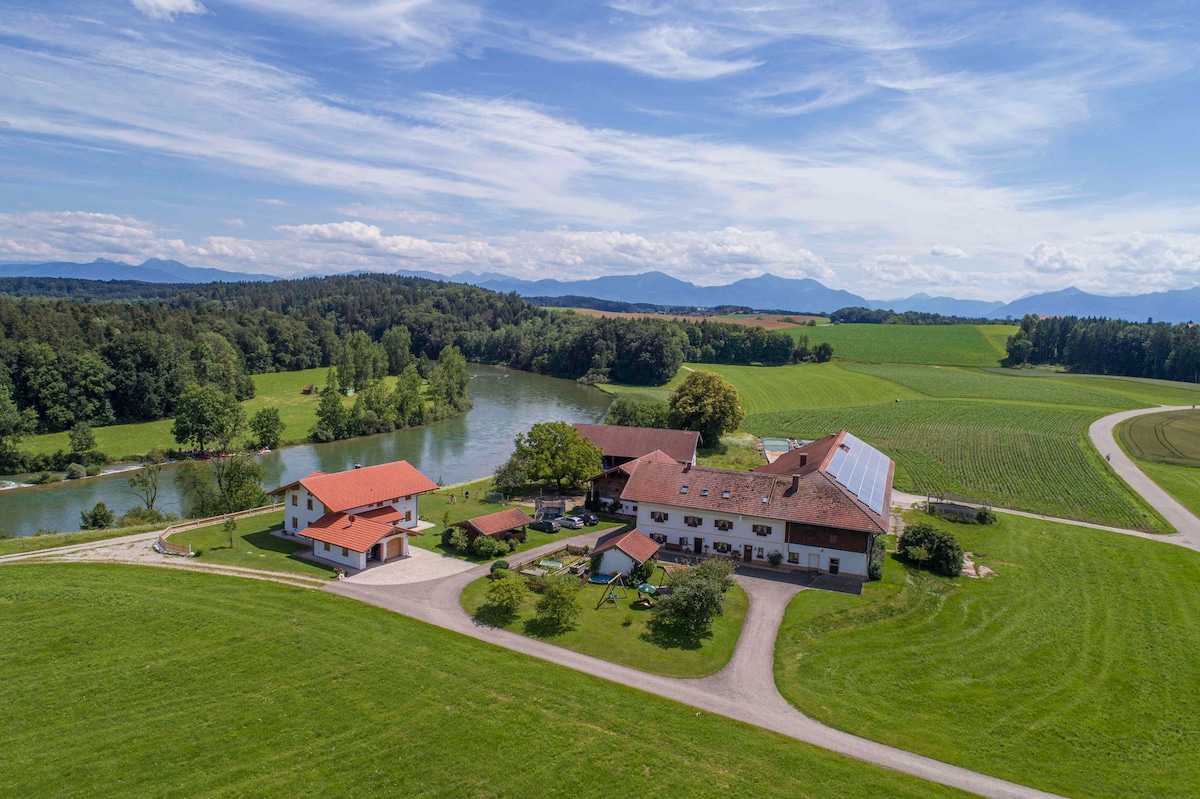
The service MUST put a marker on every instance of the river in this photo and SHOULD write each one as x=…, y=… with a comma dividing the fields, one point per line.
x=505, y=402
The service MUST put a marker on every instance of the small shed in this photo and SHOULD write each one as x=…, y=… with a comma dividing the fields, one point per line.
x=501, y=525
x=621, y=552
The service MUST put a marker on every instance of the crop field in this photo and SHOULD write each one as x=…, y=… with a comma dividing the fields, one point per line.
x=1143, y=389
x=1164, y=437
x=946, y=345
x=1075, y=669
x=1024, y=456
x=997, y=336
x=959, y=383
x=765, y=389
x=283, y=692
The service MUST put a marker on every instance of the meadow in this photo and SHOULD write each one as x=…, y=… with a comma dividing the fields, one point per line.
x=1172, y=437
x=1076, y=669
x=619, y=633
x=948, y=345
x=283, y=691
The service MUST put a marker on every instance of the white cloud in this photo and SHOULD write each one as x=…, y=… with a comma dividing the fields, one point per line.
x=676, y=52
x=1046, y=258
x=238, y=223
x=274, y=201
x=947, y=251
x=168, y=9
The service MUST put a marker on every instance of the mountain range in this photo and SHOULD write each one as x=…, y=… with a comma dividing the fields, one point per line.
x=767, y=292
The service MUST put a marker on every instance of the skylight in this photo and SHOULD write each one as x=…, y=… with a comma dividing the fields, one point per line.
x=724, y=495
x=704, y=492
x=683, y=490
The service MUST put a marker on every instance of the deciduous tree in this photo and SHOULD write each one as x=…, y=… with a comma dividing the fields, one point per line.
x=554, y=452
x=206, y=414
x=266, y=427
x=708, y=404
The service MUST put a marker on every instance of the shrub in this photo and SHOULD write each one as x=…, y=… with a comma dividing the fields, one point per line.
x=695, y=600
x=718, y=569
x=44, y=477
x=141, y=515
x=500, y=574
x=558, y=610
x=875, y=565
x=505, y=596
x=643, y=573
x=487, y=547
x=93, y=470
x=986, y=516
x=98, y=518
x=926, y=545
x=775, y=558
x=457, y=539
x=500, y=565
x=76, y=471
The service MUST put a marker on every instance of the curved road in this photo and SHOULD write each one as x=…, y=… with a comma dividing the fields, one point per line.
x=1102, y=433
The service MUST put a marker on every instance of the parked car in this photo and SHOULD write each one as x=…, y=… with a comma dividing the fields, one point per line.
x=546, y=525
x=573, y=522
x=589, y=518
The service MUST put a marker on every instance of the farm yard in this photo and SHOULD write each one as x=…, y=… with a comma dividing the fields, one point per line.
x=95, y=684
x=1061, y=672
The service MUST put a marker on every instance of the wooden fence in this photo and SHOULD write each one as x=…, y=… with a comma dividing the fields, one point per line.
x=185, y=550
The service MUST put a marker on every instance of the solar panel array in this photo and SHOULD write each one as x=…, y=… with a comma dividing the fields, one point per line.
x=862, y=470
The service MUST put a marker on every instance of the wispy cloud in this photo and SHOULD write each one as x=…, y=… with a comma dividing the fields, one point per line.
x=168, y=9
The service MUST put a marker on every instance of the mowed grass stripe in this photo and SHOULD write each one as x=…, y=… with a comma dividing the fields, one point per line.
x=1172, y=437
x=134, y=682
x=1076, y=669
x=949, y=345
x=1028, y=457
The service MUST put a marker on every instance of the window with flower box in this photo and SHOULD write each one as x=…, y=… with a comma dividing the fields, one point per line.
x=758, y=553
x=722, y=547
x=658, y=538
x=761, y=529
x=683, y=541
x=723, y=524
x=692, y=521
x=659, y=516
x=793, y=557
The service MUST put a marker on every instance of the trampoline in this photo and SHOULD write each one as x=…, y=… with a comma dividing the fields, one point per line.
x=600, y=579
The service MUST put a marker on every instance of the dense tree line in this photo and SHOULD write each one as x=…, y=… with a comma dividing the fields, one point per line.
x=883, y=316
x=1108, y=347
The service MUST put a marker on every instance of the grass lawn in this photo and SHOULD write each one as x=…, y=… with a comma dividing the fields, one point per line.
x=948, y=345
x=33, y=543
x=1181, y=482
x=735, y=451
x=1076, y=669
x=120, y=681
x=604, y=633
x=254, y=546
x=765, y=389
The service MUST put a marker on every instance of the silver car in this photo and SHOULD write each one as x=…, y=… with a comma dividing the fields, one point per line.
x=573, y=522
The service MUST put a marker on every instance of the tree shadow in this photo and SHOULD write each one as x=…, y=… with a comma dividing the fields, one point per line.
x=494, y=615
x=265, y=541
x=544, y=628
x=665, y=635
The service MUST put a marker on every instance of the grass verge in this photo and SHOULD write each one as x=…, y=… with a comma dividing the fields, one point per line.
x=1076, y=669
x=254, y=546
x=121, y=681
x=619, y=633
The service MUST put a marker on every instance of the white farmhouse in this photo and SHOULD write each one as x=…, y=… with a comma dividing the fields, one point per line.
x=357, y=516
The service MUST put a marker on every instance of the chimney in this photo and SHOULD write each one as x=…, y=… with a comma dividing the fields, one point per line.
x=803, y=458
x=795, y=482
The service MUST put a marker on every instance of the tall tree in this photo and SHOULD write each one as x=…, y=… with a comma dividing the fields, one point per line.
x=206, y=414
x=554, y=452
x=144, y=482
x=448, y=380
x=331, y=414
x=266, y=426
x=708, y=404
x=407, y=398
x=359, y=361
x=82, y=438
x=397, y=343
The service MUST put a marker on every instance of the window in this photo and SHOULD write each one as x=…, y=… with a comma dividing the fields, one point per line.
x=345, y=552
x=724, y=495
x=408, y=515
x=722, y=547
x=295, y=523
x=793, y=557
x=704, y=492
x=659, y=516
x=295, y=500
x=326, y=545
x=758, y=553
x=683, y=541
x=833, y=538
x=658, y=538
x=406, y=499
x=683, y=490
x=310, y=503
x=722, y=524
x=761, y=529
x=692, y=521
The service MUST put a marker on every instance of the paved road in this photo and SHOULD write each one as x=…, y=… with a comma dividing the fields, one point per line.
x=1185, y=522
x=743, y=690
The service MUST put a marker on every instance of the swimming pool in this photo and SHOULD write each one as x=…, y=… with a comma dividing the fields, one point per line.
x=776, y=444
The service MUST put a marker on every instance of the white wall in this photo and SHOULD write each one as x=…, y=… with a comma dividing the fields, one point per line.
x=741, y=534
x=614, y=560
x=355, y=560
x=296, y=517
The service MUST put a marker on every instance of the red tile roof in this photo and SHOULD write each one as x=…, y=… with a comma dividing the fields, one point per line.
x=353, y=532
x=817, y=499
x=634, y=442
x=629, y=467
x=356, y=488
x=815, y=454
x=385, y=515
x=499, y=522
x=633, y=543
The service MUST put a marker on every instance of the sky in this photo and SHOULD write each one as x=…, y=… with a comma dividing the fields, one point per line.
x=983, y=150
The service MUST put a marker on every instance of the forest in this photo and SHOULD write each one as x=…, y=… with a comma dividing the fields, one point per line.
x=83, y=351
x=1108, y=347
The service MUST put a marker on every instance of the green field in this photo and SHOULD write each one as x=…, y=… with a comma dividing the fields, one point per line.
x=1172, y=437
x=948, y=345
x=1076, y=669
x=1181, y=482
x=604, y=634
x=1028, y=457
x=131, y=441
x=763, y=389
x=253, y=546
x=120, y=681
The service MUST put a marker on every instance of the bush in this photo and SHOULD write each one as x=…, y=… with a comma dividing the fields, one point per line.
x=93, y=470
x=719, y=569
x=487, y=547
x=926, y=545
x=505, y=596
x=986, y=516
x=500, y=565
x=558, y=610
x=457, y=539
x=98, y=518
x=695, y=600
x=875, y=565
x=775, y=558
x=76, y=471
x=643, y=573
x=500, y=574
x=140, y=515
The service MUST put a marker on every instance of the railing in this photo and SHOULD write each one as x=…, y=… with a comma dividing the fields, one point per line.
x=185, y=550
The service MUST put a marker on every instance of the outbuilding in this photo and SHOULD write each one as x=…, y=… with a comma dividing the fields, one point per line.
x=621, y=552
x=501, y=525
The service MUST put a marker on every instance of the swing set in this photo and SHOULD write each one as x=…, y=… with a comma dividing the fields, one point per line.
x=609, y=591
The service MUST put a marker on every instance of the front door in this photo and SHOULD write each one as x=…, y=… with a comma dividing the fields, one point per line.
x=698, y=546
x=814, y=561
x=748, y=553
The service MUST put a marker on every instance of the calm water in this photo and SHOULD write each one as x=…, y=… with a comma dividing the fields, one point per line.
x=467, y=448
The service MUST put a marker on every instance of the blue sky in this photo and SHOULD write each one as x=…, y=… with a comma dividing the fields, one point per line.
x=976, y=149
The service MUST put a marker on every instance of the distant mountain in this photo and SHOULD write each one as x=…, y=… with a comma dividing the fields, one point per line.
x=766, y=291
x=946, y=306
x=152, y=271
x=1181, y=305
